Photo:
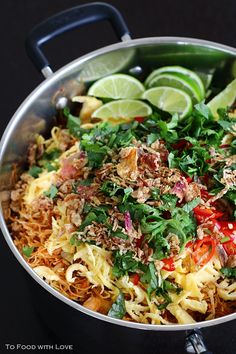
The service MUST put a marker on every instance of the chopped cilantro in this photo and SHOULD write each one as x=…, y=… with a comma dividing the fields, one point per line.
x=50, y=167
x=123, y=139
x=27, y=251
x=34, y=171
x=155, y=193
x=119, y=234
x=51, y=155
x=151, y=138
x=73, y=123
x=168, y=201
x=88, y=220
x=118, y=309
x=227, y=125
x=48, y=160
x=156, y=228
x=74, y=241
x=203, y=110
x=229, y=272
x=127, y=192
x=151, y=279
x=110, y=188
x=52, y=192
x=124, y=263
x=191, y=205
x=95, y=153
x=85, y=182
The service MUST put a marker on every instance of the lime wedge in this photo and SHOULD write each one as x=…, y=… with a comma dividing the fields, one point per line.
x=179, y=69
x=178, y=81
x=122, y=111
x=106, y=64
x=117, y=86
x=224, y=99
x=170, y=99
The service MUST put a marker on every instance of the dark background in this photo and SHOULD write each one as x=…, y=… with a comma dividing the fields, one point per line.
x=206, y=19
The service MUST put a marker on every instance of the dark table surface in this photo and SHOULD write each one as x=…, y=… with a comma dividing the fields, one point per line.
x=212, y=20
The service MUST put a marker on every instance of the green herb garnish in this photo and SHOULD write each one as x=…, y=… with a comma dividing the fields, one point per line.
x=52, y=192
x=229, y=272
x=27, y=251
x=34, y=171
x=118, y=309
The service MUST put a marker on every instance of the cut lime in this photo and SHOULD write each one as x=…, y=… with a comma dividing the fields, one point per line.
x=117, y=86
x=122, y=111
x=178, y=81
x=106, y=64
x=224, y=99
x=169, y=99
x=179, y=69
x=206, y=78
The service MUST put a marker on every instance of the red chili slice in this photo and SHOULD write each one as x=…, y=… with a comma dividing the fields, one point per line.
x=204, y=250
x=135, y=278
x=169, y=264
x=189, y=179
x=230, y=247
x=139, y=119
x=205, y=195
x=203, y=213
x=206, y=212
x=228, y=225
x=189, y=244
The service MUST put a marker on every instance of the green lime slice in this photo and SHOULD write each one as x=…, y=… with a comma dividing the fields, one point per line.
x=117, y=86
x=178, y=81
x=206, y=78
x=106, y=64
x=169, y=99
x=122, y=111
x=179, y=69
x=224, y=99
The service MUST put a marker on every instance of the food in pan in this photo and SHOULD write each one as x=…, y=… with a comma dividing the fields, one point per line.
x=128, y=208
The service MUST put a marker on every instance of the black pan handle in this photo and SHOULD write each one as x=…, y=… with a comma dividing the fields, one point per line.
x=68, y=20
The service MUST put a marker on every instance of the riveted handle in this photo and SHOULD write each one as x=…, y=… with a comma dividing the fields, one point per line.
x=68, y=20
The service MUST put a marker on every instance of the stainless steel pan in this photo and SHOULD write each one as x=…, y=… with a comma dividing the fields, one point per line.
x=37, y=112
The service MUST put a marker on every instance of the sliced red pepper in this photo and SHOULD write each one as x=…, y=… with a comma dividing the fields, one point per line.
x=228, y=228
x=189, y=244
x=135, y=278
x=204, y=250
x=139, y=119
x=204, y=194
x=169, y=264
x=206, y=213
x=217, y=214
x=228, y=225
x=230, y=247
x=189, y=179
